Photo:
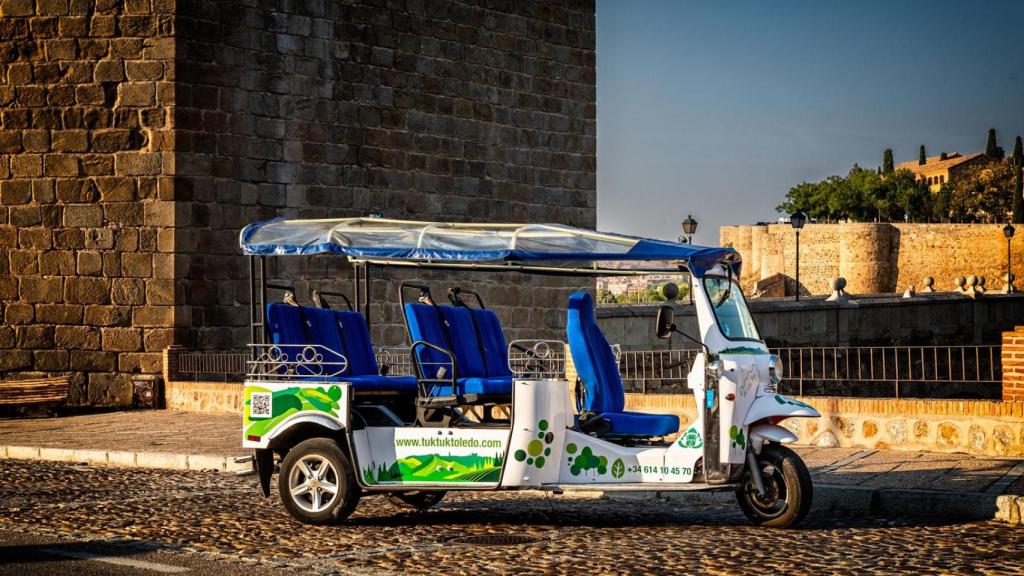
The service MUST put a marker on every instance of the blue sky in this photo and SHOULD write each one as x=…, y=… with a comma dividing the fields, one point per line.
x=718, y=108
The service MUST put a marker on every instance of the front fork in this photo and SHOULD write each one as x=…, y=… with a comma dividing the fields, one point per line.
x=754, y=469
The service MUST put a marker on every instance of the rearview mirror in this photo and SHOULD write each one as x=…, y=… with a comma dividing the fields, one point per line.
x=664, y=322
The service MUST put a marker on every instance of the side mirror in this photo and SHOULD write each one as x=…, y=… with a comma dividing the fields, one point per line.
x=664, y=322
x=671, y=291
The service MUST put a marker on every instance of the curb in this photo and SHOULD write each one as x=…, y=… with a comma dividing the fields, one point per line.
x=126, y=459
x=860, y=501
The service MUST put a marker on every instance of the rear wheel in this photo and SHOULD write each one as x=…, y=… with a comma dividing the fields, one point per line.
x=417, y=500
x=787, y=486
x=316, y=483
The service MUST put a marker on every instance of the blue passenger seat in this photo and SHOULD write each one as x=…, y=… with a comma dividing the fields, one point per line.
x=338, y=333
x=602, y=382
x=479, y=369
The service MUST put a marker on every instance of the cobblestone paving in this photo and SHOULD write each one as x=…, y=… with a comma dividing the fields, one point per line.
x=221, y=516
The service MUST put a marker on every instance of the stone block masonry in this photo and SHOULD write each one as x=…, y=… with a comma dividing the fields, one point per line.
x=875, y=258
x=1013, y=365
x=137, y=137
x=85, y=144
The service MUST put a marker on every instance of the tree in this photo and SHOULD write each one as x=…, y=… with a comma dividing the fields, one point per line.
x=992, y=149
x=943, y=156
x=1018, y=195
x=922, y=158
x=978, y=194
x=887, y=163
x=1018, y=189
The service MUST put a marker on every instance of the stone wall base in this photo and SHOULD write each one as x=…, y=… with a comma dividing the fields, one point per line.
x=204, y=397
x=978, y=427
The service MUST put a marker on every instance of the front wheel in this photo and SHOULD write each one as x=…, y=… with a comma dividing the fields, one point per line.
x=316, y=482
x=787, y=486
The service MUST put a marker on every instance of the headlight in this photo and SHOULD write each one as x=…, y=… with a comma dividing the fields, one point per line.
x=775, y=369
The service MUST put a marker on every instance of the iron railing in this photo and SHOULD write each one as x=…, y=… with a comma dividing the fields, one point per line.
x=876, y=371
x=879, y=371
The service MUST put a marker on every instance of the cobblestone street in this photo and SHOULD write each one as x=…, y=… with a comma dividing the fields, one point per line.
x=221, y=518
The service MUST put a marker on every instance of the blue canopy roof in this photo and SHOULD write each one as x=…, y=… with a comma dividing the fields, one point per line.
x=436, y=243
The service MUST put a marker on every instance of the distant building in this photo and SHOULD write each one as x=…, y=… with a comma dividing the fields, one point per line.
x=936, y=171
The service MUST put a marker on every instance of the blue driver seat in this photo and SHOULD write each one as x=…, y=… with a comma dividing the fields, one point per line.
x=602, y=383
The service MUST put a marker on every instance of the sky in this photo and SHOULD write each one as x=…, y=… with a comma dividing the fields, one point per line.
x=716, y=109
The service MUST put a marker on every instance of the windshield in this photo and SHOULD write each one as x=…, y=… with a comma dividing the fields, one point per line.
x=730, y=308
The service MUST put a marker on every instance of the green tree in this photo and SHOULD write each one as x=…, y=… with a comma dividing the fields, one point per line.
x=887, y=163
x=943, y=156
x=605, y=297
x=1018, y=153
x=938, y=204
x=978, y=194
x=1018, y=194
x=922, y=158
x=992, y=149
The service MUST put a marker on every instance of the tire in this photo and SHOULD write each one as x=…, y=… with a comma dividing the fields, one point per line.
x=787, y=484
x=417, y=500
x=308, y=473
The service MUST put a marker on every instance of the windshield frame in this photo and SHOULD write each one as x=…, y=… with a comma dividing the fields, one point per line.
x=743, y=298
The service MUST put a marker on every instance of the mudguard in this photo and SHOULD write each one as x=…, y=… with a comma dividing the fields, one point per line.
x=272, y=408
x=777, y=405
x=760, y=433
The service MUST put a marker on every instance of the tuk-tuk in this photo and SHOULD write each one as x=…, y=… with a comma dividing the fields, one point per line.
x=476, y=412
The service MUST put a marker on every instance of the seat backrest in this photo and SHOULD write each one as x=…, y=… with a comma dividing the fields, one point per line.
x=358, y=347
x=492, y=339
x=593, y=358
x=285, y=324
x=323, y=331
x=448, y=327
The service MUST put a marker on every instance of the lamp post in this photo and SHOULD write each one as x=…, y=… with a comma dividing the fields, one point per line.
x=797, y=220
x=1008, y=231
x=689, y=227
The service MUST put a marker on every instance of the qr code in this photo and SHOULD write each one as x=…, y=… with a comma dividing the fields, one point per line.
x=260, y=405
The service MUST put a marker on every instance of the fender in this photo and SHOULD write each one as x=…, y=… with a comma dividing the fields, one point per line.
x=318, y=418
x=777, y=405
x=760, y=433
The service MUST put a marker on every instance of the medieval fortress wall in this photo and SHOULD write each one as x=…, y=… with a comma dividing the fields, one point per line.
x=875, y=258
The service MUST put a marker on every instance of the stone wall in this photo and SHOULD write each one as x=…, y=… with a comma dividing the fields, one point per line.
x=979, y=427
x=139, y=136
x=939, y=319
x=874, y=258
x=85, y=103
x=423, y=110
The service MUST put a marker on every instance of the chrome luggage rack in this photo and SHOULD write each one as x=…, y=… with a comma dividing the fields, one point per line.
x=293, y=362
x=537, y=358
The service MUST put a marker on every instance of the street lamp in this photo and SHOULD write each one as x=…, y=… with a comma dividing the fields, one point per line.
x=1008, y=231
x=689, y=227
x=797, y=220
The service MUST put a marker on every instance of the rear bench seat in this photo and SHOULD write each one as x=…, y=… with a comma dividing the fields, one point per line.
x=481, y=360
x=339, y=331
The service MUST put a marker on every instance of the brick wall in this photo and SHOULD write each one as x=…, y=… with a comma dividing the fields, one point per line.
x=137, y=137
x=875, y=258
x=424, y=110
x=85, y=109
x=1013, y=365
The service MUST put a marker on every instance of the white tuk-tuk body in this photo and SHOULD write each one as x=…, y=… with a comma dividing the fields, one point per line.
x=542, y=444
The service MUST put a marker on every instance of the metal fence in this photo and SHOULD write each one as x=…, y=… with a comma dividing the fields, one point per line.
x=878, y=371
x=875, y=371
